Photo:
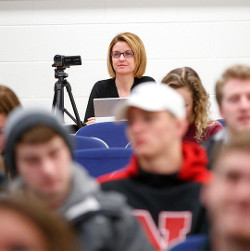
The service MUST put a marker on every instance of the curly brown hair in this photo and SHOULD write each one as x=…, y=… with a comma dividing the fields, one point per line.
x=187, y=77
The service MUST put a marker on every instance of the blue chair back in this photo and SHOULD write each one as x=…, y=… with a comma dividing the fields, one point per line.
x=197, y=242
x=114, y=134
x=222, y=122
x=103, y=161
x=83, y=142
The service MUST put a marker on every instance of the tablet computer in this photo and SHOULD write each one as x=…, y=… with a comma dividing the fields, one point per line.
x=104, y=107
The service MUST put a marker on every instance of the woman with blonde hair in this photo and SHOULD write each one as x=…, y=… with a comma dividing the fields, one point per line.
x=126, y=63
x=187, y=82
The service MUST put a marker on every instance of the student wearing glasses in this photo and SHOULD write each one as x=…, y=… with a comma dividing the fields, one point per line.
x=126, y=63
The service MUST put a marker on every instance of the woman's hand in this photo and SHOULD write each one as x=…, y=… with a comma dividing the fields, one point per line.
x=90, y=121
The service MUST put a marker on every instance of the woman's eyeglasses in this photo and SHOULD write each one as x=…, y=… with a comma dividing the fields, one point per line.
x=126, y=54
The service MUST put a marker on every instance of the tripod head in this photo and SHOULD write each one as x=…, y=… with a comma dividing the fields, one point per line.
x=59, y=72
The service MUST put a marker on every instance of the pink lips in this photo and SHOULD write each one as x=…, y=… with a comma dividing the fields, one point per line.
x=244, y=118
x=139, y=142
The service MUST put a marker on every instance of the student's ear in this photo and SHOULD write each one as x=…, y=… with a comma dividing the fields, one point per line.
x=220, y=111
x=182, y=126
x=204, y=194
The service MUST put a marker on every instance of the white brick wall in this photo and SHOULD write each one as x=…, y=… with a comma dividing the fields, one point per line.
x=208, y=35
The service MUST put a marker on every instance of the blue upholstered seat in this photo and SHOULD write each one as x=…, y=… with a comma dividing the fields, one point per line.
x=193, y=243
x=221, y=121
x=102, y=161
x=114, y=134
x=82, y=142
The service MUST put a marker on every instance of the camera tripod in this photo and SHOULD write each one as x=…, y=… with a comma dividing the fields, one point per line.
x=58, y=100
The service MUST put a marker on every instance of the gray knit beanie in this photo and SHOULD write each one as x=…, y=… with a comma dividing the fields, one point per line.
x=21, y=120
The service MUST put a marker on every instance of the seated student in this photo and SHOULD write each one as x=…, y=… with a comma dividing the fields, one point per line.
x=8, y=102
x=28, y=225
x=162, y=181
x=187, y=82
x=39, y=156
x=227, y=197
x=232, y=95
x=126, y=65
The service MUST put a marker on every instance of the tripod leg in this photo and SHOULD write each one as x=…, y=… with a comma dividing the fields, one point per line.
x=58, y=100
x=78, y=120
x=54, y=101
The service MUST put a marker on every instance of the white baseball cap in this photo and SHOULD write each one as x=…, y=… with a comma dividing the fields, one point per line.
x=153, y=97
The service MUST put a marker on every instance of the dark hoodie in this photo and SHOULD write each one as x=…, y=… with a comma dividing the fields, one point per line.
x=162, y=195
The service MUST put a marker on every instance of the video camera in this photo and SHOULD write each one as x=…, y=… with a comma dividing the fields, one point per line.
x=66, y=61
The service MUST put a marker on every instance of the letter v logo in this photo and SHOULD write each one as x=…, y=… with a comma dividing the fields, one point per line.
x=173, y=227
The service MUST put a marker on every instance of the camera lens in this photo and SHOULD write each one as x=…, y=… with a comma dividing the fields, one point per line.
x=57, y=58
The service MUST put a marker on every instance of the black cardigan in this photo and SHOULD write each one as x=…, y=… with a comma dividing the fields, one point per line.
x=107, y=89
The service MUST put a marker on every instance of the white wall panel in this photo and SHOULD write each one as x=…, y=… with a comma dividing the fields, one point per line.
x=18, y=76
x=208, y=35
x=232, y=39
x=68, y=12
x=16, y=12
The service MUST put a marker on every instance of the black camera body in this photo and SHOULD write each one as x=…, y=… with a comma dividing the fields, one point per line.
x=66, y=61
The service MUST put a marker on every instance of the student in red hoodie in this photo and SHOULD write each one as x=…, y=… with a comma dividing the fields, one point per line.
x=162, y=181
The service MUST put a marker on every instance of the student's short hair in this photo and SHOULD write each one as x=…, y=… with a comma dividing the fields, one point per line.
x=57, y=234
x=233, y=72
x=137, y=47
x=38, y=134
x=239, y=142
x=8, y=100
